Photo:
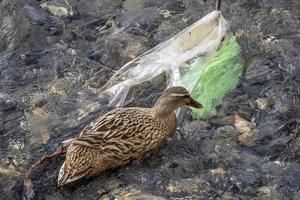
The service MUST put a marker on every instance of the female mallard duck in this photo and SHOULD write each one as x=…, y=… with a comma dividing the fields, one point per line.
x=121, y=135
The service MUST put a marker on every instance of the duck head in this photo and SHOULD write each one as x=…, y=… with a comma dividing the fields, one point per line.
x=173, y=98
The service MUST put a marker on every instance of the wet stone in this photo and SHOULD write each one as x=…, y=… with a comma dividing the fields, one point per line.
x=243, y=124
x=9, y=170
x=186, y=186
x=267, y=192
x=227, y=196
x=247, y=139
x=135, y=194
x=196, y=126
x=262, y=103
x=222, y=121
x=59, y=11
x=218, y=172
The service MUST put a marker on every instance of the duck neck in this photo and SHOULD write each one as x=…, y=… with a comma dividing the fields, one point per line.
x=163, y=109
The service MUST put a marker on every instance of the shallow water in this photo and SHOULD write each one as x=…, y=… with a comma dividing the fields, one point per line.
x=51, y=69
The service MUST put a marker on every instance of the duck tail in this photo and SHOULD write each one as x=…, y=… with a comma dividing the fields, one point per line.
x=65, y=176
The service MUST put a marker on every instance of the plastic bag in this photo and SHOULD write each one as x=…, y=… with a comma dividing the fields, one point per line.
x=219, y=75
x=177, y=57
x=173, y=56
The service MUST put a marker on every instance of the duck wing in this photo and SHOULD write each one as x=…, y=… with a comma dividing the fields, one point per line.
x=122, y=129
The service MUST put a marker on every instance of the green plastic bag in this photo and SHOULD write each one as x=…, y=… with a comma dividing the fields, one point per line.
x=219, y=74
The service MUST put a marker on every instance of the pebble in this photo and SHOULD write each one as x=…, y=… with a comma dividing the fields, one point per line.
x=227, y=196
x=132, y=194
x=262, y=103
x=16, y=145
x=196, y=126
x=189, y=186
x=8, y=170
x=267, y=192
x=165, y=13
x=56, y=10
x=218, y=171
x=242, y=125
x=245, y=128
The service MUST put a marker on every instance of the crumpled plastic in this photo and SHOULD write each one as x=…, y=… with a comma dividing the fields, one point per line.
x=177, y=56
x=219, y=75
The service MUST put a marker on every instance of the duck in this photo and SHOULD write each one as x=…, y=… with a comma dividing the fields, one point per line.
x=122, y=135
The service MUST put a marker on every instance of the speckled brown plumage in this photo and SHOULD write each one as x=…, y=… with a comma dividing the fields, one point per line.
x=121, y=135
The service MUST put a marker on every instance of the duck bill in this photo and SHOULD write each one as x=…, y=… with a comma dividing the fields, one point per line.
x=195, y=103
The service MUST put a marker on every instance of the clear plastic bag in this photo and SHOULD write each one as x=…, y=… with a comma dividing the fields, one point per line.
x=175, y=57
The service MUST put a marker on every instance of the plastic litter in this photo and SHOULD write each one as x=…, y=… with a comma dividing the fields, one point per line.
x=219, y=75
x=193, y=58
